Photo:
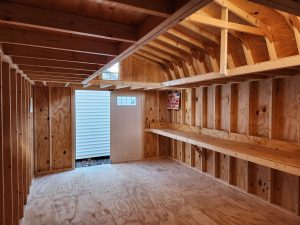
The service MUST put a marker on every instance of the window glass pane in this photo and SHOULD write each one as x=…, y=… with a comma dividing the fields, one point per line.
x=126, y=100
x=111, y=73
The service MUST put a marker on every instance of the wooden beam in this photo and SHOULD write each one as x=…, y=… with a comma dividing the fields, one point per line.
x=282, y=63
x=164, y=48
x=186, y=38
x=289, y=6
x=150, y=56
x=55, y=75
x=126, y=83
x=2, y=215
x=14, y=146
x=7, y=145
x=53, y=63
x=192, y=27
x=38, y=18
x=224, y=43
x=154, y=7
x=149, y=32
x=174, y=44
x=20, y=144
x=46, y=53
x=210, y=21
x=157, y=53
x=53, y=70
x=147, y=59
x=238, y=11
x=47, y=79
x=56, y=41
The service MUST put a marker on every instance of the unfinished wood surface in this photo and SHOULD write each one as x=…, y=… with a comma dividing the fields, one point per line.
x=1, y=152
x=147, y=192
x=285, y=160
x=20, y=144
x=7, y=145
x=42, y=129
x=151, y=111
x=61, y=138
x=14, y=147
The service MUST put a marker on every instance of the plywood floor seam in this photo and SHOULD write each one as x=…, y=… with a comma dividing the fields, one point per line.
x=160, y=191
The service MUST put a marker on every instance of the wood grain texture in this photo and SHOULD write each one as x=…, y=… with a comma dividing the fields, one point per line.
x=225, y=107
x=148, y=192
x=61, y=138
x=1, y=152
x=286, y=159
x=151, y=112
x=211, y=107
x=286, y=189
x=14, y=147
x=7, y=145
x=287, y=109
x=243, y=108
x=20, y=144
x=42, y=129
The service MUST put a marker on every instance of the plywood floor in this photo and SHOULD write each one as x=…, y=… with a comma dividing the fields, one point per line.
x=147, y=192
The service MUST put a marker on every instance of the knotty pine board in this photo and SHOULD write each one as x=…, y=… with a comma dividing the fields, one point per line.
x=42, y=129
x=61, y=138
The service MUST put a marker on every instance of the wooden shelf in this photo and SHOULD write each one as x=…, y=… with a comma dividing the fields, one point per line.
x=279, y=68
x=287, y=160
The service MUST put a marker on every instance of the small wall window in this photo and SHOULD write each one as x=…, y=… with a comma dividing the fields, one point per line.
x=126, y=100
x=111, y=73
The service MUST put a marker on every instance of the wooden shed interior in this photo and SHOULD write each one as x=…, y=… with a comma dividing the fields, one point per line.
x=229, y=155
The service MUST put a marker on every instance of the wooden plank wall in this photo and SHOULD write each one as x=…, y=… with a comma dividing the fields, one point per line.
x=154, y=108
x=268, y=108
x=135, y=69
x=16, y=150
x=53, y=129
x=138, y=70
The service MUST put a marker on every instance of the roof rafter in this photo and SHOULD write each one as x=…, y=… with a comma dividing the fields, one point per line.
x=28, y=16
x=241, y=13
x=56, y=41
x=150, y=56
x=157, y=53
x=53, y=63
x=210, y=21
x=153, y=7
x=55, y=54
x=164, y=48
x=150, y=29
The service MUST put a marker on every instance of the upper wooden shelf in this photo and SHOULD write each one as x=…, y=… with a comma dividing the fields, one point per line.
x=278, y=68
x=285, y=159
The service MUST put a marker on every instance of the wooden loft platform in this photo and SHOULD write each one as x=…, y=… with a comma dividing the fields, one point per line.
x=280, y=155
x=279, y=68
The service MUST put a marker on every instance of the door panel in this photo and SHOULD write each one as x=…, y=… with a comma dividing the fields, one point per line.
x=126, y=128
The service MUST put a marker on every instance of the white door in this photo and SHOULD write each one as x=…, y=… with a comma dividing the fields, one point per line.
x=126, y=127
x=92, y=110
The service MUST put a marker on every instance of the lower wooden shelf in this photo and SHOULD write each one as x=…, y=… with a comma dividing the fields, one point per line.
x=287, y=160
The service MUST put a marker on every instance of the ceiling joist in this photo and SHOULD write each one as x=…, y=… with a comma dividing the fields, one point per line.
x=56, y=41
x=153, y=7
x=53, y=63
x=55, y=54
x=210, y=21
x=27, y=16
x=150, y=29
